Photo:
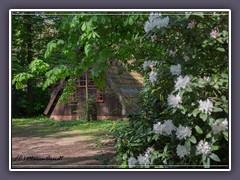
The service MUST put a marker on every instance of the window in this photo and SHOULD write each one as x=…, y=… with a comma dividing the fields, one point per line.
x=92, y=88
x=99, y=95
x=82, y=81
x=91, y=83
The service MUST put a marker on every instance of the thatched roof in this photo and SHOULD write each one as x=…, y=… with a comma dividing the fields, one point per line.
x=126, y=85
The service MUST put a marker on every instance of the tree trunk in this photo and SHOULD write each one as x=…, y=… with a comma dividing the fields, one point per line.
x=29, y=60
x=87, y=99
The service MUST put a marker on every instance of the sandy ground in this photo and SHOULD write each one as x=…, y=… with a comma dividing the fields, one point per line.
x=65, y=150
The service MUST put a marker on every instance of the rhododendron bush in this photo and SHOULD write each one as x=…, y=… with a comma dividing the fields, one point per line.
x=183, y=118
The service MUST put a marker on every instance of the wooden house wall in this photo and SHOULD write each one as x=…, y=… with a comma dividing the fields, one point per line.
x=110, y=108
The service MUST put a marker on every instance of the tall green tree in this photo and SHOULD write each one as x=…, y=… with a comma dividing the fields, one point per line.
x=95, y=40
x=30, y=34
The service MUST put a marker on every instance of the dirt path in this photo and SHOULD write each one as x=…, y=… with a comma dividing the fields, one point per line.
x=70, y=150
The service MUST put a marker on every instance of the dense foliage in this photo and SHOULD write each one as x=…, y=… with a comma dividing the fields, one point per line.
x=183, y=109
x=184, y=118
x=30, y=34
x=80, y=41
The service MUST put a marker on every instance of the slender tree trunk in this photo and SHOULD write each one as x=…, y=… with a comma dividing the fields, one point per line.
x=29, y=59
x=87, y=99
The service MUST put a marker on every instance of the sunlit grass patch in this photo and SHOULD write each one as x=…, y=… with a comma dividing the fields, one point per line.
x=43, y=126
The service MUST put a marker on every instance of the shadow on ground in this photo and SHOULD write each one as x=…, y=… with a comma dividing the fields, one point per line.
x=93, y=149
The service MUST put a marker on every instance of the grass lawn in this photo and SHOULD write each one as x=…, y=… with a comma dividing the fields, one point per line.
x=43, y=126
x=79, y=141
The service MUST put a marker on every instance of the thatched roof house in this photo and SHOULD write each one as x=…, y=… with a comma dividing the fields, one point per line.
x=115, y=101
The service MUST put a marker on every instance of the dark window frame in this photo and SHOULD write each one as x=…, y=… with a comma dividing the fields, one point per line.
x=99, y=93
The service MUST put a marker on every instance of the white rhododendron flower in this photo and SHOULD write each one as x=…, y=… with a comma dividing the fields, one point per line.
x=218, y=127
x=182, y=82
x=155, y=21
x=145, y=65
x=151, y=64
x=169, y=127
x=164, y=22
x=203, y=148
x=224, y=125
x=182, y=151
x=166, y=128
x=148, y=64
x=175, y=69
x=144, y=160
x=132, y=162
x=153, y=16
x=183, y=132
x=158, y=128
x=206, y=106
x=149, y=26
x=174, y=101
x=153, y=77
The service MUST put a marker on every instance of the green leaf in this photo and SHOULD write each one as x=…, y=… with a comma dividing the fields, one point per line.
x=206, y=163
x=130, y=21
x=200, y=14
x=94, y=18
x=155, y=137
x=214, y=148
x=84, y=26
x=216, y=86
x=224, y=98
x=149, y=138
x=54, y=75
x=220, y=40
x=187, y=145
x=161, y=97
x=124, y=156
x=124, y=164
x=103, y=20
x=173, y=111
x=221, y=49
x=21, y=79
x=195, y=112
x=214, y=157
x=50, y=47
x=182, y=92
x=226, y=110
x=225, y=134
x=209, y=135
x=217, y=109
x=60, y=41
x=87, y=49
x=224, y=75
x=193, y=139
x=203, y=116
x=165, y=148
x=189, y=89
x=198, y=129
x=38, y=66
